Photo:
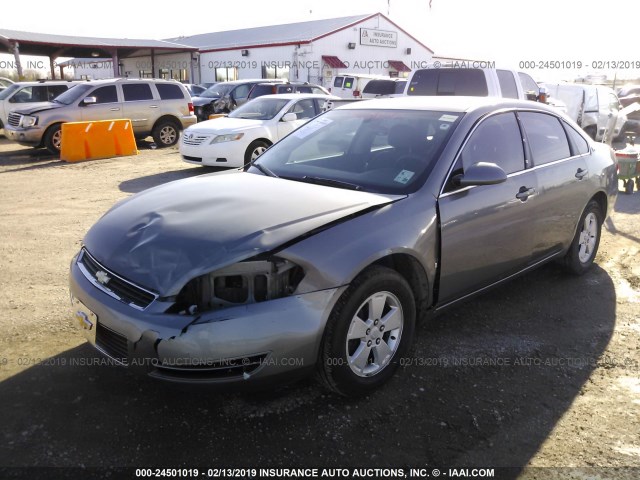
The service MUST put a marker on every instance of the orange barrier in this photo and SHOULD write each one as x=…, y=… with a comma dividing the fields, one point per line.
x=100, y=139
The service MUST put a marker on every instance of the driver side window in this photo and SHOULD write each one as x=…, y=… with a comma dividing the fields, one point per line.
x=496, y=140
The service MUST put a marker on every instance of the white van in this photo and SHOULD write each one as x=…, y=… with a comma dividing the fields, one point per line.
x=351, y=85
x=594, y=107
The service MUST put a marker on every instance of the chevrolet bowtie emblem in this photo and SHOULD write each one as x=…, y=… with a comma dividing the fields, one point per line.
x=102, y=277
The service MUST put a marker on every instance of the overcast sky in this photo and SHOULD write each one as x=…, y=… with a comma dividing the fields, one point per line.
x=507, y=31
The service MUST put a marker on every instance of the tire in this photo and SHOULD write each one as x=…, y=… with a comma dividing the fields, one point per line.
x=585, y=244
x=53, y=139
x=628, y=186
x=254, y=150
x=166, y=133
x=370, y=328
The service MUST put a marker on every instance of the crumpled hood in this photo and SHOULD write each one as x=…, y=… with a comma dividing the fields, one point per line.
x=163, y=237
x=38, y=107
x=226, y=124
x=200, y=101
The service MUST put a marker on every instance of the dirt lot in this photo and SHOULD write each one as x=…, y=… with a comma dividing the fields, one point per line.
x=542, y=372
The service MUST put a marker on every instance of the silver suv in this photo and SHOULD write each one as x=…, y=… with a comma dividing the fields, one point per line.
x=161, y=108
x=16, y=95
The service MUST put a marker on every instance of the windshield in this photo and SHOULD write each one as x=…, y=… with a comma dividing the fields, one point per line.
x=73, y=94
x=218, y=90
x=382, y=151
x=262, y=108
x=9, y=91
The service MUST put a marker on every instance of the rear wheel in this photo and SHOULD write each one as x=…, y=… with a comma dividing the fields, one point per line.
x=53, y=139
x=628, y=186
x=586, y=241
x=166, y=134
x=369, y=330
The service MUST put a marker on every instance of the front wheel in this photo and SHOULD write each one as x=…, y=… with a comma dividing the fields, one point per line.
x=369, y=329
x=53, y=139
x=254, y=150
x=584, y=247
x=166, y=134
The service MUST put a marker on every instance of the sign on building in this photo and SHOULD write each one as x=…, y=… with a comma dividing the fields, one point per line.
x=378, y=38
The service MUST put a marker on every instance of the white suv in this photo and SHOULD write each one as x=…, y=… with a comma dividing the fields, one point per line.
x=161, y=108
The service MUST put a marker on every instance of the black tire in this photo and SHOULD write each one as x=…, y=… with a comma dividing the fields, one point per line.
x=257, y=147
x=53, y=139
x=166, y=133
x=585, y=243
x=392, y=291
x=628, y=186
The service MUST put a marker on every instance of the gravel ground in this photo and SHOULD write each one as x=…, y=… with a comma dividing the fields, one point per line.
x=542, y=372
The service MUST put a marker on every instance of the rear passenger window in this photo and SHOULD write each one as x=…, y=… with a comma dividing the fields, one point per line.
x=496, y=140
x=105, y=94
x=338, y=82
x=137, y=91
x=546, y=137
x=507, y=84
x=449, y=81
x=55, y=90
x=169, y=92
x=578, y=143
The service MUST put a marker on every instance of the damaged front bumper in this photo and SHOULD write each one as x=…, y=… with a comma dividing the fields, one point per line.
x=238, y=344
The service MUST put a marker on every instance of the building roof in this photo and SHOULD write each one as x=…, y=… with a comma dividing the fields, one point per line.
x=275, y=35
x=31, y=43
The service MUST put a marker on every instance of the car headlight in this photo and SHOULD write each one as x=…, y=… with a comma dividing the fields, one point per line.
x=226, y=138
x=29, y=121
x=251, y=281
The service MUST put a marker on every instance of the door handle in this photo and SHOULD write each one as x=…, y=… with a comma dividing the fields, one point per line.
x=153, y=106
x=115, y=109
x=581, y=173
x=525, y=193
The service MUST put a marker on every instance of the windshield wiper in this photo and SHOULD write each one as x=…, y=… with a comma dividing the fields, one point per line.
x=263, y=169
x=330, y=182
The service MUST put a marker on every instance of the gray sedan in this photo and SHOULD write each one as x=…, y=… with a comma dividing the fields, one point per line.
x=324, y=253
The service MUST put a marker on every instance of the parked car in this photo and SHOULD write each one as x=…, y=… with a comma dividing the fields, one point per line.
x=261, y=89
x=477, y=82
x=324, y=254
x=594, y=107
x=351, y=85
x=383, y=88
x=225, y=97
x=161, y=108
x=193, y=89
x=5, y=82
x=249, y=130
x=18, y=94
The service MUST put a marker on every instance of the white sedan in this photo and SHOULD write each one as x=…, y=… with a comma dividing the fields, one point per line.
x=240, y=137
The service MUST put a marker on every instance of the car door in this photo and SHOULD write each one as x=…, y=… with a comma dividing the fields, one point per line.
x=107, y=106
x=304, y=109
x=558, y=156
x=140, y=106
x=486, y=231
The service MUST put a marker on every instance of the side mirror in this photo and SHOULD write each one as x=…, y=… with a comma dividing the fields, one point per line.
x=481, y=173
x=289, y=117
x=89, y=100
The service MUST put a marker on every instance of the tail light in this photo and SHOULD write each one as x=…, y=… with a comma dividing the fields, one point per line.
x=356, y=93
x=190, y=108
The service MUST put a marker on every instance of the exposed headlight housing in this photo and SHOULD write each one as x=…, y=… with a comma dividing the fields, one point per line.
x=230, y=137
x=251, y=281
x=28, y=121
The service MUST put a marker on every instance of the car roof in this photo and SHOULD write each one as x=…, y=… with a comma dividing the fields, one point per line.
x=445, y=103
x=298, y=96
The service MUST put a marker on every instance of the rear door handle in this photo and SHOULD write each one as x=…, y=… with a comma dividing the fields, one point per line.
x=525, y=193
x=581, y=173
x=153, y=106
x=115, y=109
